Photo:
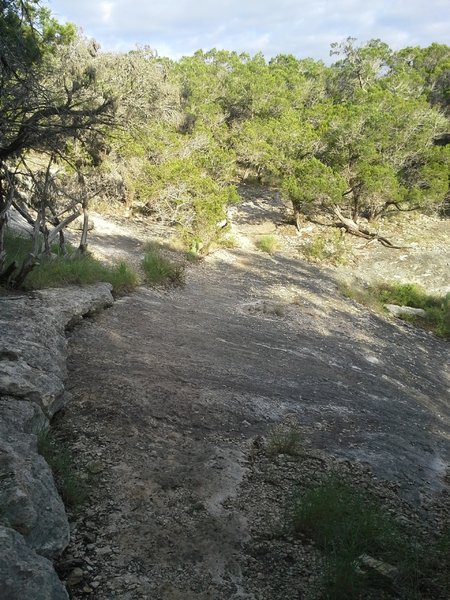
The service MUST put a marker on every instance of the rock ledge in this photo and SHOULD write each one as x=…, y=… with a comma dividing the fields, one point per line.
x=33, y=524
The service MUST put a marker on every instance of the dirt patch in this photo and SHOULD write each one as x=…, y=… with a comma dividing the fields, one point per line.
x=172, y=388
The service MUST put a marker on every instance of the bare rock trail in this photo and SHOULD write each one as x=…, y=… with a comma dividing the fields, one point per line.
x=172, y=388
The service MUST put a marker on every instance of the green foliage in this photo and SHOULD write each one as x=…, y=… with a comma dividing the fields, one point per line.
x=51, y=101
x=73, y=484
x=313, y=181
x=122, y=277
x=326, y=247
x=228, y=241
x=267, y=243
x=194, y=200
x=159, y=270
x=405, y=294
x=285, y=440
x=336, y=516
x=437, y=308
x=29, y=33
x=360, y=68
x=75, y=268
x=81, y=270
x=17, y=247
x=357, y=135
x=347, y=525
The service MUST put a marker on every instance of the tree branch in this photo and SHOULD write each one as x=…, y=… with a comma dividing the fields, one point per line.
x=354, y=229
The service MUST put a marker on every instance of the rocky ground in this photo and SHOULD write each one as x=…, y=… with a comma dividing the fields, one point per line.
x=176, y=394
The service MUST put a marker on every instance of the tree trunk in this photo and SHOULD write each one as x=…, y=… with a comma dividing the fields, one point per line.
x=83, y=242
x=33, y=257
x=8, y=272
x=6, y=199
x=129, y=200
x=354, y=229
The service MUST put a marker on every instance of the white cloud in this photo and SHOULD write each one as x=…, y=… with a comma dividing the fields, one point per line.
x=106, y=11
x=300, y=27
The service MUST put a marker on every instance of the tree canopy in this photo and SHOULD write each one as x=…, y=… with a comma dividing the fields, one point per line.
x=363, y=137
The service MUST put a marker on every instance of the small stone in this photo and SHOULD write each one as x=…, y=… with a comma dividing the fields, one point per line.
x=398, y=311
x=75, y=577
x=379, y=566
x=95, y=468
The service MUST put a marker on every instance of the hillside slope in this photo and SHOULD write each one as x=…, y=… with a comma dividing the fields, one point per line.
x=174, y=391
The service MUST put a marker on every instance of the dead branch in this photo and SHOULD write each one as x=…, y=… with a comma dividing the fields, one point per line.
x=354, y=229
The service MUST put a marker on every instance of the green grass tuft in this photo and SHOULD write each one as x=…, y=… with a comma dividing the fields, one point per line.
x=337, y=517
x=437, y=308
x=347, y=525
x=159, y=270
x=228, y=241
x=80, y=270
x=285, y=441
x=328, y=247
x=267, y=243
x=72, y=484
x=73, y=269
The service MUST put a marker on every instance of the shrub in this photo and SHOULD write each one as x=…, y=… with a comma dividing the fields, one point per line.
x=329, y=247
x=285, y=441
x=160, y=270
x=337, y=518
x=437, y=308
x=183, y=193
x=267, y=243
x=349, y=526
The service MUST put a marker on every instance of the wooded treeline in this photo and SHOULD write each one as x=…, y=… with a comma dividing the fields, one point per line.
x=361, y=138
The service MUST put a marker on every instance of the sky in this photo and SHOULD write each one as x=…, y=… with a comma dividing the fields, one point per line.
x=304, y=28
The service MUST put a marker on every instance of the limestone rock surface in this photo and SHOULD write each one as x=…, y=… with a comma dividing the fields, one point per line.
x=23, y=574
x=29, y=501
x=33, y=524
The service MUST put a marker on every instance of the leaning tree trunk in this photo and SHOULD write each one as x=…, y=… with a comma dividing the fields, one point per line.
x=355, y=229
x=6, y=198
x=33, y=257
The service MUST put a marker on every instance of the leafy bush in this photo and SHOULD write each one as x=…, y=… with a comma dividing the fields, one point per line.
x=160, y=270
x=184, y=194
